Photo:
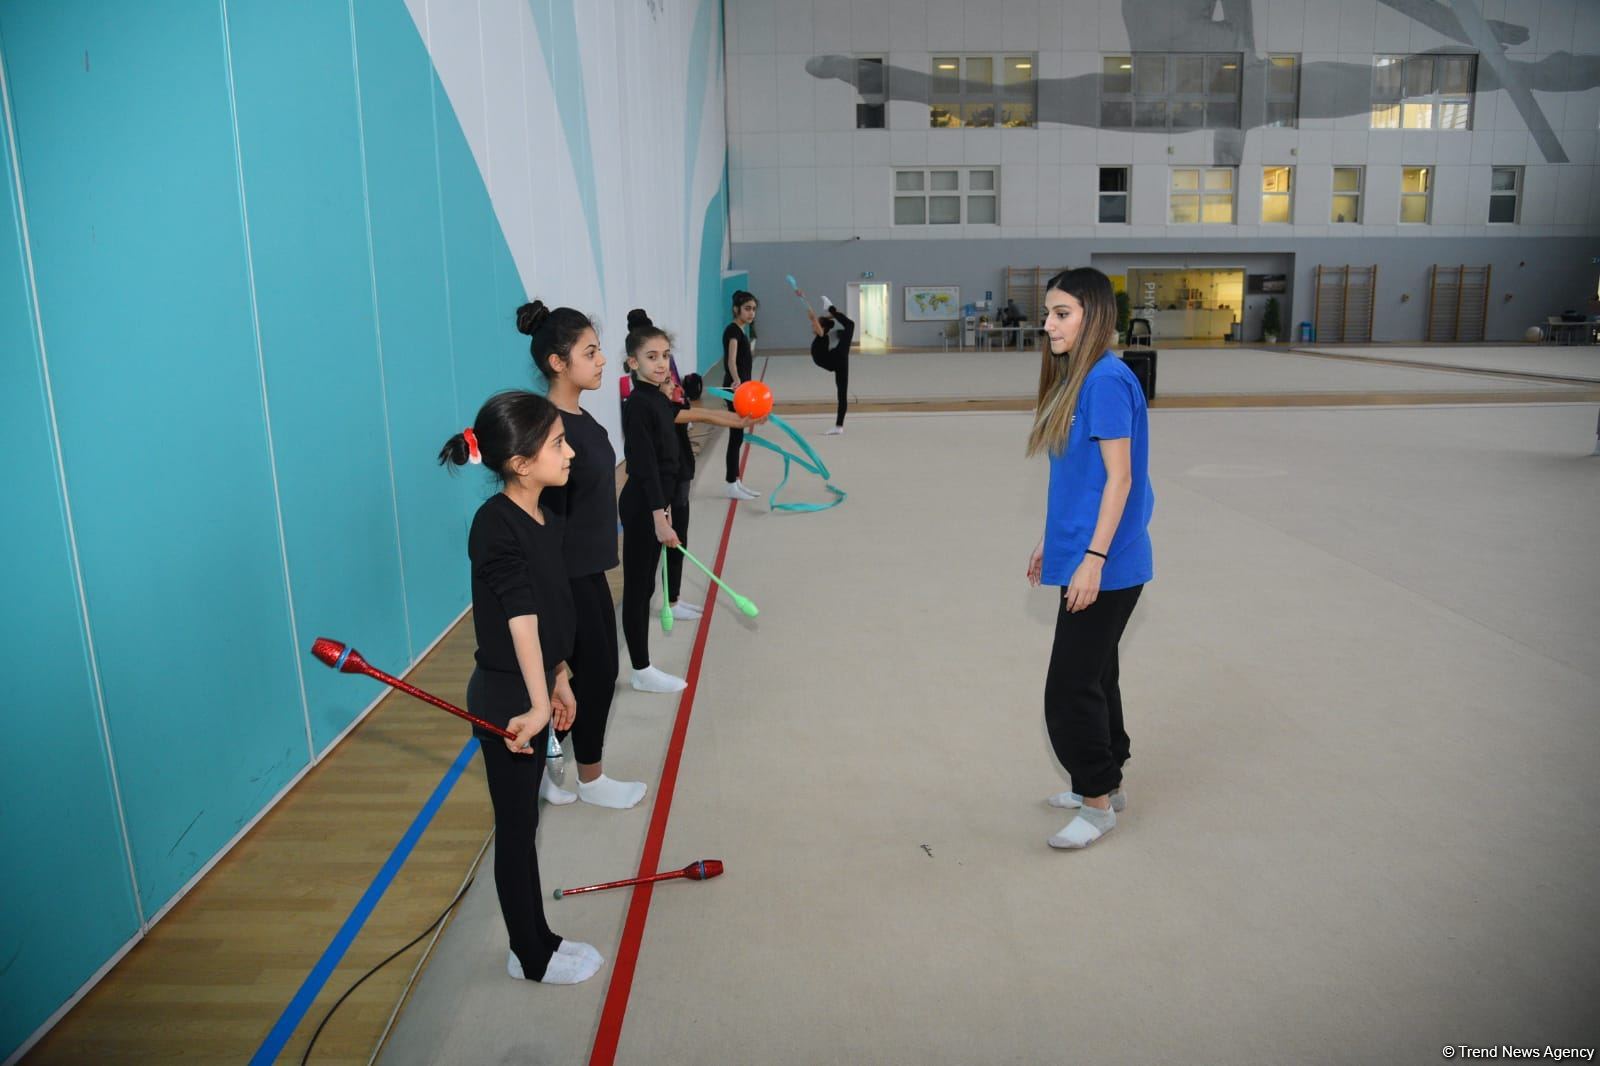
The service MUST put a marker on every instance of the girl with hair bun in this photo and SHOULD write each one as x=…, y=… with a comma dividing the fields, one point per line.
x=522, y=616
x=738, y=363
x=567, y=352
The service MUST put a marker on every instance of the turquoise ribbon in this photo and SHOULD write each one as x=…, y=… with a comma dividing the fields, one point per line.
x=810, y=461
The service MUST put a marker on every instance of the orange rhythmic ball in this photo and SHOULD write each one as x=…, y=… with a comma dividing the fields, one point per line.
x=753, y=399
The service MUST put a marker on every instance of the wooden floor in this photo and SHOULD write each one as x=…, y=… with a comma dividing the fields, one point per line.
x=209, y=981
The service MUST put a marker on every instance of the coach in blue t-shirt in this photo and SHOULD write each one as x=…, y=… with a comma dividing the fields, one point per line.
x=1092, y=422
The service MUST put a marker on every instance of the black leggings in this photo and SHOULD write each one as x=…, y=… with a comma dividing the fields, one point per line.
x=1082, y=700
x=735, y=442
x=594, y=666
x=641, y=568
x=514, y=791
x=680, y=526
x=838, y=363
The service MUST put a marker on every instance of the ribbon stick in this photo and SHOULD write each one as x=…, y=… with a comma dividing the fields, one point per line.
x=811, y=461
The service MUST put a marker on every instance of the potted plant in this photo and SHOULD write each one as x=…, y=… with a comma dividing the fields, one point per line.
x=1123, y=311
x=1271, y=323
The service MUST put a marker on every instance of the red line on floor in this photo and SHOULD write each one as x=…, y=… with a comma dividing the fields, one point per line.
x=615, y=1007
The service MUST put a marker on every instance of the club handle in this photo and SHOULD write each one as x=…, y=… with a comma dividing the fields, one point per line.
x=428, y=697
x=563, y=892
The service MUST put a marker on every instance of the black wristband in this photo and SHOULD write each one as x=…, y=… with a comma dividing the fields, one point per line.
x=1091, y=551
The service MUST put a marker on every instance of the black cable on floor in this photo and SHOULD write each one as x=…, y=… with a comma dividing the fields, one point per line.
x=434, y=925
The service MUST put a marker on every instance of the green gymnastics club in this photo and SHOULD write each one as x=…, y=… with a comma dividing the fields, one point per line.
x=738, y=601
x=666, y=607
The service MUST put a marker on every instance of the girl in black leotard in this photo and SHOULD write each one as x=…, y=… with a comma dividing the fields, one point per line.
x=833, y=354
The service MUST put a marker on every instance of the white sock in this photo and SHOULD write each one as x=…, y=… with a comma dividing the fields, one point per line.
x=572, y=949
x=553, y=793
x=579, y=949
x=652, y=680
x=685, y=612
x=571, y=969
x=604, y=792
x=836, y=431
x=737, y=491
x=1090, y=825
x=747, y=489
x=1072, y=801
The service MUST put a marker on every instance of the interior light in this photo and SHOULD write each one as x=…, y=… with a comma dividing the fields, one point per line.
x=1024, y=66
x=947, y=66
x=1229, y=66
x=1127, y=66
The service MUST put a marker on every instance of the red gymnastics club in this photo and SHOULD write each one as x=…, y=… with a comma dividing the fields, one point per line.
x=347, y=660
x=699, y=870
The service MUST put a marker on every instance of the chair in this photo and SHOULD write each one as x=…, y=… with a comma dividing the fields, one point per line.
x=1139, y=332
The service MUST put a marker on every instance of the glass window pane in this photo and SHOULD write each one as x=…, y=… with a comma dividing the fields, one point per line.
x=944, y=210
x=1455, y=74
x=1188, y=115
x=946, y=75
x=1284, y=114
x=981, y=210
x=1222, y=116
x=1413, y=208
x=1386, y=116
x=1116, y=115
x=977, y=114
x=1275, y=209
x=1417, y=116
x=1218, y=209
x=1114, y=208
x=1014, y=115
x=1276, y=179
x=1454, y=114
x=870, y=116
x=1150, y=75
x=981, y=180
x=1414, y=179
x=1185, y=179
x=1116, y=75
x=1185, y=209
x=869, y=76
x=1347, y=179
x=1018, y=73
x=910, y=210
x=1189, y=75
x=1419, y=76
x=1385, y=78
x=1222, y=76
x=908, y=180
x=1504, y=179
x=1346, y=209
x=1219, y=178
x=1502, y=209
x=1150, y=115
x=944, y=180
x=1113, y=179
x=944, y=115
x=1280, y=76
x=980, y=74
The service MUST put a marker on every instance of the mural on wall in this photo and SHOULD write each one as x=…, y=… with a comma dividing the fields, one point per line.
x=1336, y=89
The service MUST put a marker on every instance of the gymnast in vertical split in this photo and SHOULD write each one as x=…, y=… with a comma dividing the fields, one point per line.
x=566, y=351
x=522, y=615
x=832, y=354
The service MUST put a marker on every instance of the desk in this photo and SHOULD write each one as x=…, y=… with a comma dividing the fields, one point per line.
x=1024, y=335
x=1557, y=331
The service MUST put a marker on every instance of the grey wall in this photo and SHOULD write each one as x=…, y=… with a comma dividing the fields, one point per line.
x=1544, y=276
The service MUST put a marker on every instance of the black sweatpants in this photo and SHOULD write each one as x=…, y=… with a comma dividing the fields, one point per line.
x=514, y=791
x=641, y=566
x=1082, y=701
x=735, y=442
x=680, y=526
x=594, y=666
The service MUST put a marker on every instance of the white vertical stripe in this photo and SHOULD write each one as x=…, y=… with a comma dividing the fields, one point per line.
x=377, y=326
x=438, y=183
x=61, y=481
x=261, y=369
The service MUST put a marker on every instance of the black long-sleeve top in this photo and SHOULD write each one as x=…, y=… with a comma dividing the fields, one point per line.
x=828, y=356
x=588, y=501
x=650, y=445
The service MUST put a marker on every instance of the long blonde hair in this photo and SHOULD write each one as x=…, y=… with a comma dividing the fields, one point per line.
x=1061, y=376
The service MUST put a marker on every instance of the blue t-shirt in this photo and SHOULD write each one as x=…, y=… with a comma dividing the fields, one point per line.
x=1110, y=406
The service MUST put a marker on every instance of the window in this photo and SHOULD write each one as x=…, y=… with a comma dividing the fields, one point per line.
x=1505, y=192
x=1277, y=194
x=872, y=85
x=1428, y=92
x=1177, y=92
x=1113, y=194
x=1416, y=194
x=987, y=90
x=1202, y=196
x=1347, y=194
x=946, y=196
x=1283, y=91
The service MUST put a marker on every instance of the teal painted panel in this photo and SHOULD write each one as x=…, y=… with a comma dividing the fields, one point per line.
x=140, y=261
x=300, y=140
x=69, y=898
x=413, y=311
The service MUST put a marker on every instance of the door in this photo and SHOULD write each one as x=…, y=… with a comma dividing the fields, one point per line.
x=869, y=305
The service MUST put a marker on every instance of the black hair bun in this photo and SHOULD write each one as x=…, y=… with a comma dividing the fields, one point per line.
x=531, y=316
x=693, y=386
x=638, y=319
